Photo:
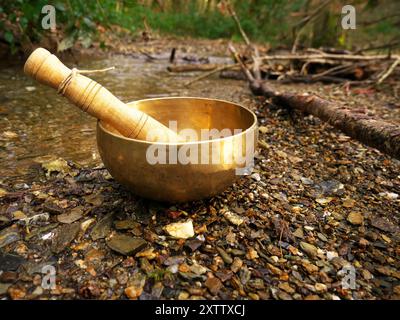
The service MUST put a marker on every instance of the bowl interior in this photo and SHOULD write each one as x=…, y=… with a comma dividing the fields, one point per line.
x=195, y=114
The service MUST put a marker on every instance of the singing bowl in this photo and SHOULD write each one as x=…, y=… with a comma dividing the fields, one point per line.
x=174, y=181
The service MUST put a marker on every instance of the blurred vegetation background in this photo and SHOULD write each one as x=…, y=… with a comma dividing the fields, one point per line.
x=275, y=22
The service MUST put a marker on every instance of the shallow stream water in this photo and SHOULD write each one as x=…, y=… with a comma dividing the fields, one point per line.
x=36, y=123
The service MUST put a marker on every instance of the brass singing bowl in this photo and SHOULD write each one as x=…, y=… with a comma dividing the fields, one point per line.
x=219, y=160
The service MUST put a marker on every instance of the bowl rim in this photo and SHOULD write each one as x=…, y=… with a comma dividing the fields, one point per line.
x=250, y=128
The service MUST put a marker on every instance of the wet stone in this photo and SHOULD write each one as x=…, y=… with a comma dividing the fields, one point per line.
x=236, y=264
x=233, y=218
x=8, y=276
x=355, y=218
x=10, y=262
x=198, y=269
x=308, y=248
x=8, y=236
x=65, y=234
x=193, y=244
x=174, y=260
x=103, y=228
x=330, y=187
x=125, y=224
x=224, y=275
x=4, y=288
x=71, y=216
x=126, y=245
x=298, y=233
x=383, y=224
x=224, y=255
x=180, y=230
x=191, y=276
x=286, y=287
x=213, y=285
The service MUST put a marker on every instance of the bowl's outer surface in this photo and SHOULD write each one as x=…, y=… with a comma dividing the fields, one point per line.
x=126, y=159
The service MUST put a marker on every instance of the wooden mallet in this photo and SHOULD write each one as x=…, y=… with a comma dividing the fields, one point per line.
x=94, y=99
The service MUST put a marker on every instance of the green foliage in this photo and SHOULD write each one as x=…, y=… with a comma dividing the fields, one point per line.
x=263, y=20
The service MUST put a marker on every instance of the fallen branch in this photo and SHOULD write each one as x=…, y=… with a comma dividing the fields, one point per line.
x=389, y=71
x=375, y=133
x=328, y=56
x=192, y=67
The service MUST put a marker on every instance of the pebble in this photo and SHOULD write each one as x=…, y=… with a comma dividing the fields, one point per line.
x=331, y=187
x=236, y=264
x=38, y=291
x=197, y=269
x=251, y=254
x=135, y=286
x=355, y=218
x=349, y=203
x=310, y=268
x=366, y=274
x=133, y=292
x=19, y=215
x=331, y=254
x=213, y=285
x=320, y=287
x=233, y=218
x=284, y=296
x=125, y=244
x=4, y=288
x=307, y=181
x=224, y=255
x=322, y=237
x=254, y=296
x=324, y=201
x=298, y=233
x=389, y=195
x=256, y=176
x=16, y=293
x=275, y=271
x=263, y=129
x=286, y=287
x=8, y=236
x=180, y=230
x=183, y=295
x=308, y=248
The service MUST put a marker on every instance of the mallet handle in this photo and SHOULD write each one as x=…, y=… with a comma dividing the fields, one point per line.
x=94, y=99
